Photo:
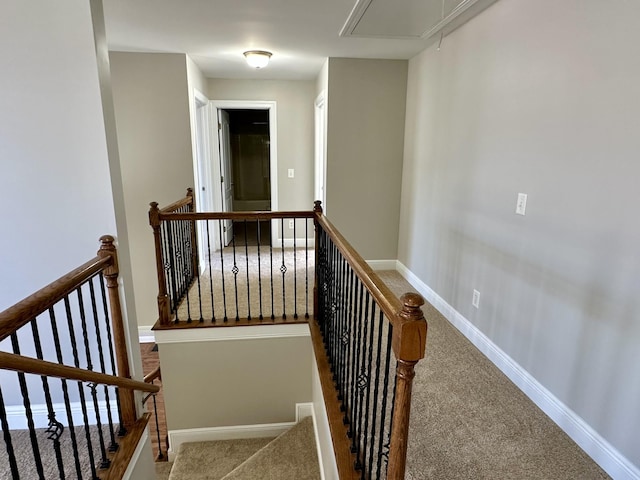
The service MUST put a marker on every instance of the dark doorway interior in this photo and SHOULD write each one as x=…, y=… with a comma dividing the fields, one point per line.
x=250, y=228
x=250, y=159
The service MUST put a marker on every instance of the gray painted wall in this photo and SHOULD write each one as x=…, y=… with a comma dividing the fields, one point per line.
x=541, y=98
x=294, y=107
x=153, y=122
x=365, y=133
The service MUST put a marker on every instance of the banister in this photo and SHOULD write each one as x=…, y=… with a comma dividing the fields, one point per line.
x=153, y=374
x=19, y=363
x=187, y=200
x=258, y=215
x=384, y=297
x=22, y=312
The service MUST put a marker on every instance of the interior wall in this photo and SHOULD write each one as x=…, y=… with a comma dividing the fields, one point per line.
x=294, y=108
x=55, y=184
x=151, y=98
x=235, y=382
x=541, y=98
x=365, y=135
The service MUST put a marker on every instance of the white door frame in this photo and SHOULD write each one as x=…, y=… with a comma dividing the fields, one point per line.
x=273, y=147
x=320, y=145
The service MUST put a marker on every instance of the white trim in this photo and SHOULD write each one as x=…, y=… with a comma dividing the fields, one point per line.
x=383, y=264
x=234, y=432
x=232, y=332
x=133, y=462
x=288, y=242
x=271, y=106
x=145, y=335
x=597, y=447
x=17, y=419
x=303, y=410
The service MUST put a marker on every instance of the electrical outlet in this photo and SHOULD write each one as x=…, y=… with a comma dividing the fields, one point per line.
x=521, y=205
x=476, y=299
x=291, y=224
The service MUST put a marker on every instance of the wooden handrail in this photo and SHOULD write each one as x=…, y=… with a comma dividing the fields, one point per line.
x=187, y=200
x=19, y=363
x=153, y=374
x=383, y=296
x=24, y=311
x=258, y=215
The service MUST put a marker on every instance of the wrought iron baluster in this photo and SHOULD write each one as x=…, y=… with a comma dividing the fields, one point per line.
x=113, y=446
x=195, y=265
x=105, y=462
x=55, y=428
x=259, y=272
x=6, y=433
x=271, y=270
x=187, y=265
x=383, y=449
x=350, y=337
x=83, y=403
x=295, y=273
x=376, y=384
x=283, y=269
x=27, y=410
x=209, y=261
x=356, y=373
x=368, y=393
x=306, y=268
x=224, y=291
x=65, y=392
x=172, y=270
x=246, y=255
x=235, y=271
x=363, y=381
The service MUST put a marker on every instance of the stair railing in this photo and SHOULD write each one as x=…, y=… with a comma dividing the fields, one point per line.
x=357, y=323
x=77, y=336
x=260, y=264
x=152, y=377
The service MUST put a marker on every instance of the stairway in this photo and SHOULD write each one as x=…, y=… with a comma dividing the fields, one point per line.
x=290, y=456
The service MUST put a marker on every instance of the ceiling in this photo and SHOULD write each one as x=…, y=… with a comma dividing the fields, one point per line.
x=300, y=33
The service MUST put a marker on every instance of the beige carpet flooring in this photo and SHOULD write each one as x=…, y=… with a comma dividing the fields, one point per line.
x=258, y=290
x=469, y=421
x=290, y=456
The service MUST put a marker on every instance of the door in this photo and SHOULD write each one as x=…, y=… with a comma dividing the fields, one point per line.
x=226, y=174
x=320, y=153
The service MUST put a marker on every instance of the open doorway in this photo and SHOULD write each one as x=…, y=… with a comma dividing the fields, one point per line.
x=250, y=169
x=247, y=165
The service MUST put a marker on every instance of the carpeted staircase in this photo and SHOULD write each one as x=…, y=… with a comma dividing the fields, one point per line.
x=291, y=456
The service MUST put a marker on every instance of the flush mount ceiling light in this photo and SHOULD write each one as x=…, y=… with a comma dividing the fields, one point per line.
x=257, y=58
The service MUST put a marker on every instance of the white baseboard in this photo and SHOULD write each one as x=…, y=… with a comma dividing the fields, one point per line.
x=145, y=335
x=383, y=264
x=303, y=410
x=235, y=432
x=599, y=449
x=17, y=419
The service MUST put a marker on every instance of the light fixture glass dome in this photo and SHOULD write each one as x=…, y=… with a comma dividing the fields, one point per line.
x=257, y=58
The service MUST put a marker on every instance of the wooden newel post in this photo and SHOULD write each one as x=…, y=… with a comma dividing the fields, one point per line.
x=194, y=239
x=409, y=341
x=127, y=401
x=163, y=298
x=317, y=209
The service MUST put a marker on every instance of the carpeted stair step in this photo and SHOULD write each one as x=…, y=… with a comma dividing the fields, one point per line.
x=213, y=460
x=291, y=456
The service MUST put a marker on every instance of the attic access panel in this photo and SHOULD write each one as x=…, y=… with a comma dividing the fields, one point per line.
x=408, y=19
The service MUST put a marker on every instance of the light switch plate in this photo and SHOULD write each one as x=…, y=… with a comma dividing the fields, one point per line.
x=521, y=206
x=290, y=173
